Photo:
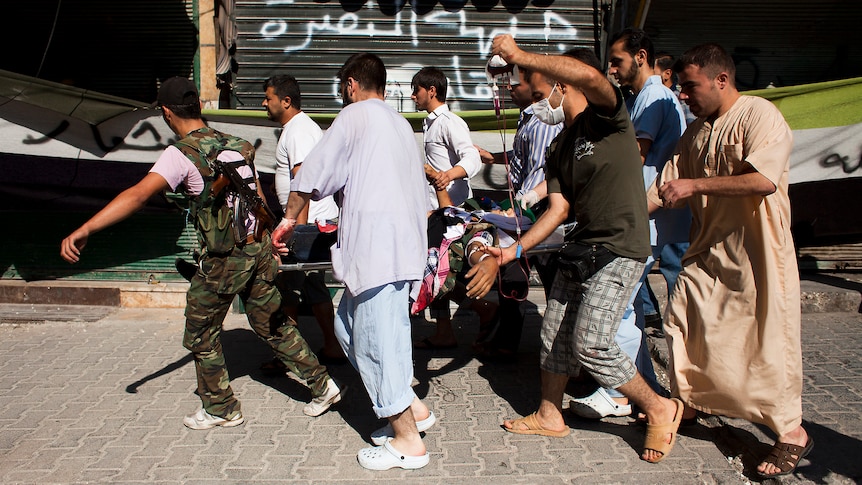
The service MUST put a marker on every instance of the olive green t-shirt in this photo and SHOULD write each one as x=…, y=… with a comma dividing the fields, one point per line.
x=596, y=165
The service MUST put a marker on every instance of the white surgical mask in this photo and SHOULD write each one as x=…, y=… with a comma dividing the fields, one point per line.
x=546, y=114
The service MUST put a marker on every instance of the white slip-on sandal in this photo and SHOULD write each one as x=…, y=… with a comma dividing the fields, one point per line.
x=386, y=457
x=380, y=436
x=598, y=405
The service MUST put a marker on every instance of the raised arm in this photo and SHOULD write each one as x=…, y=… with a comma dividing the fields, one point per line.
x=598, y=90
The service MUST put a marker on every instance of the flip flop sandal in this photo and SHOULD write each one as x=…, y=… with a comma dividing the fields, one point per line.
x=386, y=457
x=533, y=427
x=785, y=457
x=641, y=420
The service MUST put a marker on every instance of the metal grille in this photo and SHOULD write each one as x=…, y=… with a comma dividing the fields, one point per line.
x=784, y=42
x=311, y=40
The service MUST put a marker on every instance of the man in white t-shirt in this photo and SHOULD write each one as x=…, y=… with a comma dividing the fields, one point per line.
x=283, y=103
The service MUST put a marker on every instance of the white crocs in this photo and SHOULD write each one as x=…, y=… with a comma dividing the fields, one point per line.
x=598, y=405
x=385, y=433
x=386, y=457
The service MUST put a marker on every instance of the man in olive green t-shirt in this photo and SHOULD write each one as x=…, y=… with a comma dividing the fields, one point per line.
x=594, y=177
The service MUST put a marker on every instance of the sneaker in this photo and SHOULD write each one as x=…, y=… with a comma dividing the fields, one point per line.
x=204, y=420
x=322, y=403
x=598, y=405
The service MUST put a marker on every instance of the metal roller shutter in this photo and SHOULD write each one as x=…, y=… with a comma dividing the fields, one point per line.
x=783, y=42
x=108, y=46
x=311, y=40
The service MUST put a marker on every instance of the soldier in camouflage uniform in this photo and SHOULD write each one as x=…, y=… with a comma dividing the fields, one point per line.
x=236, y=258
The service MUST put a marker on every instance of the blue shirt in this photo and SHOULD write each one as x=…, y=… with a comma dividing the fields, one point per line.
x=658, y=116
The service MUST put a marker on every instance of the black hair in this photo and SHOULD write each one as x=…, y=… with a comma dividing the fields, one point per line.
x=186, y=111
x=367, y=69
x=586, y=56
x=711, y=58
x=431, y=76
x=285, y=86
x=635, y=40
x=664, y=61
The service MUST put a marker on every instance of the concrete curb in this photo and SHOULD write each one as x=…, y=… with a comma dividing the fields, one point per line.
x=821, y=292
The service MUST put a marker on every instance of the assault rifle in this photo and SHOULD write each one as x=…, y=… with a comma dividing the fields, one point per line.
x=228, y=175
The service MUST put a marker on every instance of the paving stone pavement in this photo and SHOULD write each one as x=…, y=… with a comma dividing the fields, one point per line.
x=102, y=402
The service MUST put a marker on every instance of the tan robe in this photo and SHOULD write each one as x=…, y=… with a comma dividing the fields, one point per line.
x=733, y=323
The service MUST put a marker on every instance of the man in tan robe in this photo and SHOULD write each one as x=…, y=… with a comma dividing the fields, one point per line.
x=733, y=326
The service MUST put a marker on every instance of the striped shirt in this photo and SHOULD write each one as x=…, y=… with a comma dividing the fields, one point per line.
x=527, y=161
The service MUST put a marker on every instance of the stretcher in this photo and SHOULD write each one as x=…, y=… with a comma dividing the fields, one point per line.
x=309, y=249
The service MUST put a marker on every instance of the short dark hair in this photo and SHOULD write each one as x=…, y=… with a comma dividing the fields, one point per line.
x=635, y=40
x=711, y=58
x=186, y=111
x=586, y=56
x=365, y=68
x=431, y=76
x=285, y=86
x=664, y=61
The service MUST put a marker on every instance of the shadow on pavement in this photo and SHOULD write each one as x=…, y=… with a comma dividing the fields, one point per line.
x=173, y=366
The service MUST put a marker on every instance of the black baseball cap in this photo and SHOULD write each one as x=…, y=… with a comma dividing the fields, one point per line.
x=177, y=91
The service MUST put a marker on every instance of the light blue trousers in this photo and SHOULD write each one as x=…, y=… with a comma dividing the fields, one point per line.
x=374, y=330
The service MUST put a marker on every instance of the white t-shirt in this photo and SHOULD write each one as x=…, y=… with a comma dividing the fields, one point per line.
x=298, y=137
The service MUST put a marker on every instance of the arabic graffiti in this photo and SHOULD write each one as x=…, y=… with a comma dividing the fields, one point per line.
x=145, y=138
x=406, y=30
x=847, y=166
x=350, y=24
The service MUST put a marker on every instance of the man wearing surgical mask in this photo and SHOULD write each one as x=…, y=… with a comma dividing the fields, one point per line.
x=547, y=113
x=533, y=135
x=659, y=122
x=527, y=176
x=594, y=176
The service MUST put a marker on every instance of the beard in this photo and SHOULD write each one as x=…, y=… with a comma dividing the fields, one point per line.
x=345, y=97
x=630, y=76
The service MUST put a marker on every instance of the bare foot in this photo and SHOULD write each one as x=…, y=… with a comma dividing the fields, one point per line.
x=410, y=447
x=419, y=409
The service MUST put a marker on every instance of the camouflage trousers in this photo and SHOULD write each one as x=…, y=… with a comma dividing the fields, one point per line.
x=248, y=272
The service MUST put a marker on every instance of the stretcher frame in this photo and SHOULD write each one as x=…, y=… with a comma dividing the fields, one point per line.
x=327, y=265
